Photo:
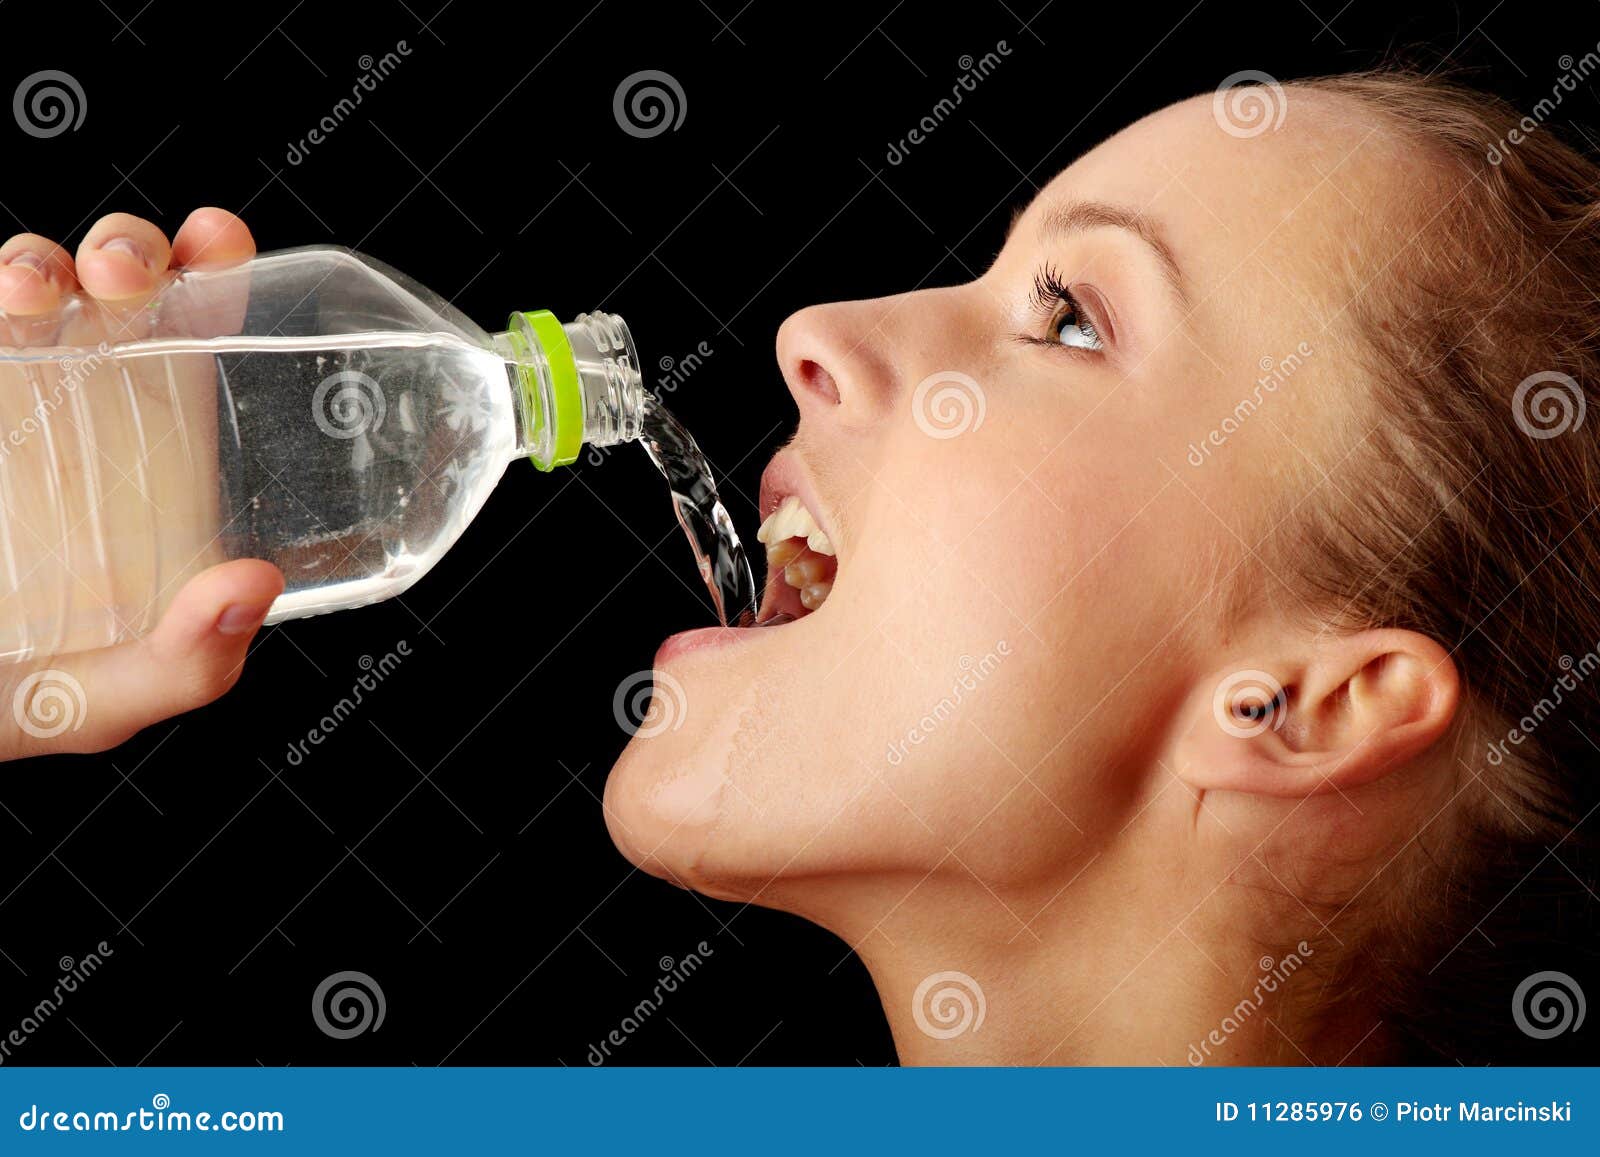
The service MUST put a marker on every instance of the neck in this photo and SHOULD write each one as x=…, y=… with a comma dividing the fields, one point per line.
x=1058, y=974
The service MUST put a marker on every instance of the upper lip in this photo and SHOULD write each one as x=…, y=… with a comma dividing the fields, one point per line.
x=787, y=475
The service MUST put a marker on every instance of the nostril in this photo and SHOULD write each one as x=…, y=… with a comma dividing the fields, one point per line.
x=819, y=380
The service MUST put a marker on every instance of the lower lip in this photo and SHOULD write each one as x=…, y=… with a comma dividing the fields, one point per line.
x=701, y=639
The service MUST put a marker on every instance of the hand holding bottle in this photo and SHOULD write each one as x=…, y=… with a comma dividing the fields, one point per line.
x=184, y=426
x=95, y=699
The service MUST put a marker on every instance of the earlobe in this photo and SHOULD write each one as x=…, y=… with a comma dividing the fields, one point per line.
x=1326, y=713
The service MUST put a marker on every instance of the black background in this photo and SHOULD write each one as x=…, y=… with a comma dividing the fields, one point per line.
x=448, y=839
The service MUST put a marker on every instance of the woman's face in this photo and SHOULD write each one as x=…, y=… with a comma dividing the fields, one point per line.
x=1033, y=504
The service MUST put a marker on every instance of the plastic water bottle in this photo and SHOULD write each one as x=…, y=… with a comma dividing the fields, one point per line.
x=311, y=407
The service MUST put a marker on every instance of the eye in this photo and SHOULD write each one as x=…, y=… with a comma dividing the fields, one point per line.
x=1069, y=324
x=1071, y=327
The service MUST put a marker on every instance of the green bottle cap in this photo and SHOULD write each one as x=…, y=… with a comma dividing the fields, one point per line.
x=558, y=414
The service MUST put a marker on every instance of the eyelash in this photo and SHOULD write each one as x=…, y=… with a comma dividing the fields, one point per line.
x=1050, y=292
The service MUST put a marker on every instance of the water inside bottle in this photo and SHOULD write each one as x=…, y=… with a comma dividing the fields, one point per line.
x=351, y=461
x=705, y=521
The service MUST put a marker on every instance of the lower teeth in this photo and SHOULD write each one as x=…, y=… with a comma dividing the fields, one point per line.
x=812, y=597
x=801, y=569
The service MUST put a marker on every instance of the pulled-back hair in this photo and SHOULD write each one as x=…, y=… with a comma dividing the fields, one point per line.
x=1477, y=522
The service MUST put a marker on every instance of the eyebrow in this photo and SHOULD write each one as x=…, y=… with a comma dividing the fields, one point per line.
x=1069, y=217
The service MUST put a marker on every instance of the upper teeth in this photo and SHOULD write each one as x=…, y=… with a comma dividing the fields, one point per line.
x=793, y=520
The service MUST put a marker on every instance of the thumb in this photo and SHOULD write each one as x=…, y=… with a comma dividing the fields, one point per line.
x=194, y=655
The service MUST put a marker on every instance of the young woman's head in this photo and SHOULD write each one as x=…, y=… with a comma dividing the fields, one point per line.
x=1203, y=672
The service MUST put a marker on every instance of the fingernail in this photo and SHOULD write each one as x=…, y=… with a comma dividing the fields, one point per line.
x=26, y=259
x=129, y=246
x=241, y=618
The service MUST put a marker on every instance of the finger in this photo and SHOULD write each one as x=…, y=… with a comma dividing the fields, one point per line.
x=214, y=240
x=210, y=238
x=121, y=259
x=39, y=255
x=194, y=655
x=35, y=273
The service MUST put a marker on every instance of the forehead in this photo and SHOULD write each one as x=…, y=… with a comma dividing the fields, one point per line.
x=1291, y=209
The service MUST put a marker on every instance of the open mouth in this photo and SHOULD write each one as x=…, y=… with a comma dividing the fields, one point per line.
x=802, y=561
x=801, y=564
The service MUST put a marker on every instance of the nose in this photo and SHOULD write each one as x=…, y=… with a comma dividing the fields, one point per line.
x=838, y=360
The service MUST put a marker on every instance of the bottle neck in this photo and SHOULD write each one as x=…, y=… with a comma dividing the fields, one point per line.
x=572, y=385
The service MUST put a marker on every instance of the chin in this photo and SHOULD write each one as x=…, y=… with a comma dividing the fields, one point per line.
x=664, y=803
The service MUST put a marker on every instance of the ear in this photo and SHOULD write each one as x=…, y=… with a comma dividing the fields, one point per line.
x=1329, y=712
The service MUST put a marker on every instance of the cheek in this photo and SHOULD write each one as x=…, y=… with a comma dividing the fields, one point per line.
x=1042, y=622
